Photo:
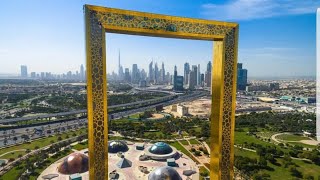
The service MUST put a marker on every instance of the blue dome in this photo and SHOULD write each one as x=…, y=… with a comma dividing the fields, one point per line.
x=160, y=148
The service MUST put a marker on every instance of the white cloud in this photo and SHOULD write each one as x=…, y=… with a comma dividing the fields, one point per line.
x=258, y=9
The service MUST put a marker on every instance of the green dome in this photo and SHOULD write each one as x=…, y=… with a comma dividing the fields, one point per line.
x=160, y=148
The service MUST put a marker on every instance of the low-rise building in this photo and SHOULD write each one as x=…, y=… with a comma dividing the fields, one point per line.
x=182, y=110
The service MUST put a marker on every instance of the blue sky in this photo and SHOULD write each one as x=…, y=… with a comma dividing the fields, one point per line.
x=277, y=38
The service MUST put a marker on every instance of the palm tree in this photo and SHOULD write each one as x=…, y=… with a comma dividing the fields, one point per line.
x=15, y=139
x=27, y=130
x=5, y=141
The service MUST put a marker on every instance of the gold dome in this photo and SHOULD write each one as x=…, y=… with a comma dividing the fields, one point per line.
x=74, y=163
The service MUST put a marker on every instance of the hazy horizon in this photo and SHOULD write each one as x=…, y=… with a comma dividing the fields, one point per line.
x=272, y=42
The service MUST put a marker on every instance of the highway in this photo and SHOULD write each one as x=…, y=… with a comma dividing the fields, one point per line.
x=57, y=127
x=133, y=104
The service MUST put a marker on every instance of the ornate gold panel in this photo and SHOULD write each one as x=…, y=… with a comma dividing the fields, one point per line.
x=99, y=20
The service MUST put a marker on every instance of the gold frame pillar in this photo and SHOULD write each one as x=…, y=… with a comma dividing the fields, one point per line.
x=99, y=20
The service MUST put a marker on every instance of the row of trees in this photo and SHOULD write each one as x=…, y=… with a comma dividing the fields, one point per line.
x=167, y=127
x=278, y=122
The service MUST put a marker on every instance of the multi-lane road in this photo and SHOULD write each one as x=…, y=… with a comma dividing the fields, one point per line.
x=38, y=131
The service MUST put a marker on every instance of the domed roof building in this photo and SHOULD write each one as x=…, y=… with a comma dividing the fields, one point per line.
x=117, y=146
x=160, y=151
x=165, y=172
x=74, y=163
x=160, y=148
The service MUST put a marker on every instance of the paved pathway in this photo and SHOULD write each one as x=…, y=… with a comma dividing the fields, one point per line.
x=308, y=142
x=193, y=155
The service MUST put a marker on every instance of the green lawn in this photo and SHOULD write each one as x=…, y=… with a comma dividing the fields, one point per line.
x=203, y=170
x=279, y=172
x=245, y=153
x=80, y=146
x=13, y=155
x=291, y=137
x=14, y=173
x=184, y=142
x=38, y=143
x=242, y=137
x=182, y=149
x=197, y=129
x=194, y=141
x=302, y=144
x=266, y=134
x=135, y=116
x=154, y=135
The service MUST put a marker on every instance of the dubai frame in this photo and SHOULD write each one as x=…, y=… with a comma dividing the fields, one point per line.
x=99, y=20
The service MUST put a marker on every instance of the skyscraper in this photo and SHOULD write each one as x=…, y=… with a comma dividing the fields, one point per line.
x=151, y=71
x=120, y=69
x=207, y=76
x=241, y=78
x=209, y=66
x=156, y=73
x=186, y=72
x=198, y=76
x=33, y=74
x=143, y=74
x=82, y=72
x=127, y=75
x=24, y=71
x=175, y=74
x=134, y=76
x=193, y=77
x=207, y=79
x=177, y=81
x=202, y=80
x=163, y=73
x=168, y=78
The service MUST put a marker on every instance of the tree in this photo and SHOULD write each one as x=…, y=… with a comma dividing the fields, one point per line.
x=308, y=177
x=197, y=153
x=27, y=130
x=263, y=176
x=260, y=151
x=59, y=138
x=25, y=137
x=294, y=172
x=205, y=130
x=15, y=139
x=5, y=141
x=262, y=162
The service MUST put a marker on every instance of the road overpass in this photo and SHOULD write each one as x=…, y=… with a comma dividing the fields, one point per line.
x=119, y=109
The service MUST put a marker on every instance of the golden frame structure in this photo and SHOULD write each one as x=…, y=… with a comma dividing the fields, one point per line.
x=99, y=20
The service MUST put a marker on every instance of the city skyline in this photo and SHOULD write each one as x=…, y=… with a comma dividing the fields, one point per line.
x=270, y=38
